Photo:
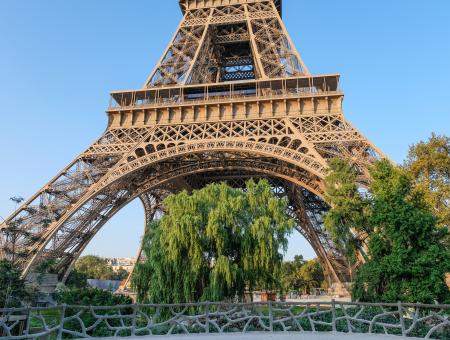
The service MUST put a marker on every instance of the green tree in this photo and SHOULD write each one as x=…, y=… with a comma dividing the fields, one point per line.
x=290, y=269
x=77, y=279
x=95, y=268
x=301, y=275
x=429, y=164
x=407, y=261
x=214, y=244
x=121, y=274
x=310, y=275
x=406, y=258
x=46, y=267
x=348, y=215
x=13, y=292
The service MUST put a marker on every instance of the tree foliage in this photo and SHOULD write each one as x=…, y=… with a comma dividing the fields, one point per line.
x=95, y=267
x=91, y=297
x=46, y=267
x=406, y=259
x=301, y=275
x=121, y=274
x=429, y=164
x=77, y=279
x=290, y=279
x=13, y=291
x=214, y=244
x=311, y=274
x=349, y=209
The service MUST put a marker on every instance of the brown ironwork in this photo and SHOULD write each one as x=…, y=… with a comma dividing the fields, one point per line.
x=230, y=99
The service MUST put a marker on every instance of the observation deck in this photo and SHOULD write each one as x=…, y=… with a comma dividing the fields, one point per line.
x=254, y=89
x=225, y=101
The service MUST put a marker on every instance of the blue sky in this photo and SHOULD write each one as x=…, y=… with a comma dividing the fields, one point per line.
x=60, y=59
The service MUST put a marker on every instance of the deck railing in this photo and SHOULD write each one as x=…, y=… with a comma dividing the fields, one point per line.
x=210, y=99
x=61, y=322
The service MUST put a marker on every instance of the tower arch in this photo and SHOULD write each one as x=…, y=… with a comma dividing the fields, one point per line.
x=187, y=177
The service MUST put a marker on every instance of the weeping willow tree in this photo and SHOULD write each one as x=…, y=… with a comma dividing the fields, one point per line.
x=214, y=244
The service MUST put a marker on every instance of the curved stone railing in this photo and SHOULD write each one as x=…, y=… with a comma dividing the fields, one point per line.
x=411, y=320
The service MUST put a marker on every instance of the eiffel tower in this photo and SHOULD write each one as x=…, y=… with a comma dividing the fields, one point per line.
x=230, y=99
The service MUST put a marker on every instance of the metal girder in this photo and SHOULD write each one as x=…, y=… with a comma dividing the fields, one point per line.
x=197, y=53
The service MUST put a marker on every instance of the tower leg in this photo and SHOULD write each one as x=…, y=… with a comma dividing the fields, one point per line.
x=152, y=203
x=308, y=209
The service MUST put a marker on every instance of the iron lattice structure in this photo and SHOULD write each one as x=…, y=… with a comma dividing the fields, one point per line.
x=230, y=99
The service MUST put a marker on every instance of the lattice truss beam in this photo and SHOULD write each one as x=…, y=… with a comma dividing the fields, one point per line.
x=59, y=221
x=229, y=43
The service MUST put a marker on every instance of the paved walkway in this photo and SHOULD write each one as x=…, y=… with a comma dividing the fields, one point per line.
x=272, y=336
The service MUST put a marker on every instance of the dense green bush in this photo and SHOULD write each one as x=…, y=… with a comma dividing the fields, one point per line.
x=91, y=297
x=13, y=292
x=77, y=279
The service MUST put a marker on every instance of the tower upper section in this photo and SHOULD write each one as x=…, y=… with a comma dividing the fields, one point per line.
x=226, y=41
x=228, y=59
x=187, y=5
